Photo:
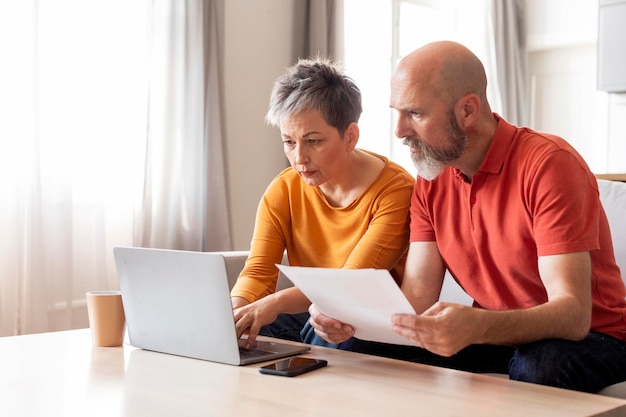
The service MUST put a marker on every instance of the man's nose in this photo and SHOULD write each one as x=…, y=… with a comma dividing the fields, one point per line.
x=403, y=128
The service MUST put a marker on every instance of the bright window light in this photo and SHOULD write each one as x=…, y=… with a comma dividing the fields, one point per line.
x=402, y=26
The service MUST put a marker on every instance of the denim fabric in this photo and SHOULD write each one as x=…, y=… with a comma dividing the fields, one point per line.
x=286, y=326
x=477, y=358
x=588, y=365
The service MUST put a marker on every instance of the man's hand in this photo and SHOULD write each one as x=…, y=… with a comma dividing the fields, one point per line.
x=443, y=329
x=329, y=329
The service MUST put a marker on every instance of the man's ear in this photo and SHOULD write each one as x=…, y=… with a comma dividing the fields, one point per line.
x=351, y=136
x=467, y=109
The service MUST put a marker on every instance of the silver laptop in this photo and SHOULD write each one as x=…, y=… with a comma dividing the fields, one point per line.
x=178, y=302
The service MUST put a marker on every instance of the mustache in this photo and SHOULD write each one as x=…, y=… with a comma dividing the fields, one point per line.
x=441, y=155
x=412, y=142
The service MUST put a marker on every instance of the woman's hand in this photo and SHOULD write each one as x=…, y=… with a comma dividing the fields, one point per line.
x=329, y=329
x=250, y=317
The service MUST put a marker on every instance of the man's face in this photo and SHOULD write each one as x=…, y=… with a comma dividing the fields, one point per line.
x=430, y=160
x=426, y=123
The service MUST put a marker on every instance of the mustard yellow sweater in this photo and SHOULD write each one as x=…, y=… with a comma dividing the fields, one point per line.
x=371, y=232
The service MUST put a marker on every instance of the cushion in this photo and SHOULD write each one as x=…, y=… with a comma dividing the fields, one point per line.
x=613, y=197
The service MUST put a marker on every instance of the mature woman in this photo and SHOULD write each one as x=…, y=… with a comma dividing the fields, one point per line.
x=336, y=206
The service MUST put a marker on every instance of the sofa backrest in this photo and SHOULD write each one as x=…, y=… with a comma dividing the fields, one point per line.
x=613, y=198
x=235, y=261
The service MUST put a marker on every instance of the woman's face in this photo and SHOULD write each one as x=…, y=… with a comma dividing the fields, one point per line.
x=314, y=149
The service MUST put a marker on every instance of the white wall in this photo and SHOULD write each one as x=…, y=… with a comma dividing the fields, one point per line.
x=562, y=37
x=557, y=23
x=258, y=48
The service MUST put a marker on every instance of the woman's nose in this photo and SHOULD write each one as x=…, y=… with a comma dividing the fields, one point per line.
x=300, y=155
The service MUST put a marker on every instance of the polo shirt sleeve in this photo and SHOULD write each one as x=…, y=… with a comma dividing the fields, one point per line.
x=421, y=225
x=565, y=209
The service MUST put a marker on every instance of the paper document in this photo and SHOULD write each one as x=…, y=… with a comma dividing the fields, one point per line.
x=363, y=298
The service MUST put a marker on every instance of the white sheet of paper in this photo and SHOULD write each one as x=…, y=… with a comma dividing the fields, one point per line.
x=363, y=298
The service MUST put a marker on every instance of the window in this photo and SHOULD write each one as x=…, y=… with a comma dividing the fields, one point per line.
x=72, y=138
x=402, y=26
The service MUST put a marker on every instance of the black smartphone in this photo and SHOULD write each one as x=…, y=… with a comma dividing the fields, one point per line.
x=293, y=366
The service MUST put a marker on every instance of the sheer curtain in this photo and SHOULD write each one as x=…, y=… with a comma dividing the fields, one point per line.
x=401, y=27
x=79, y=171
x=324, y=34
x=511, y=56
x=71, y=106
x=184, y=198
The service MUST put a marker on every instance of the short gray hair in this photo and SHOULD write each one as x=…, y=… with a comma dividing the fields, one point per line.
x=316, y=84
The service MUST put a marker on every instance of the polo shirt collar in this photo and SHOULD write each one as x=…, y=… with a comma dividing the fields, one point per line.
x=499, y=148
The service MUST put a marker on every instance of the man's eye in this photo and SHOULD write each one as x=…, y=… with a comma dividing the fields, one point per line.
x=288, y=142
x=313, y=141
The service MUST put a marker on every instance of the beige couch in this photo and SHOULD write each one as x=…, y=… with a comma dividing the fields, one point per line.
x=613, y=196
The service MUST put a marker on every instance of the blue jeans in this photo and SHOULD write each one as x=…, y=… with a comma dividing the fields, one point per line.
x=476, y=358
x=588, y=365
x=286, y=326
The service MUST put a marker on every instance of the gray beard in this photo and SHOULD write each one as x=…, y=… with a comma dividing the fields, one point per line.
x=427, y=167
x=430, y=162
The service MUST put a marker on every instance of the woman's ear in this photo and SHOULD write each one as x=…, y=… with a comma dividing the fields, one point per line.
x=351, y=136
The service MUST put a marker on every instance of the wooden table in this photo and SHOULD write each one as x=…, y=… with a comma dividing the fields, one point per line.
x=62, y=374
x=612, y=177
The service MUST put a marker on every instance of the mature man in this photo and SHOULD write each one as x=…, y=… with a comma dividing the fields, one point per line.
x=515, y=216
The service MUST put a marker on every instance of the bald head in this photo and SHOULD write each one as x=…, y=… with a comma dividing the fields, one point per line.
x=446, y=69
x=440, y=94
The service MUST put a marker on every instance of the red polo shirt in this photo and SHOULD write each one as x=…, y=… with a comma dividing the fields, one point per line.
x=532, y=196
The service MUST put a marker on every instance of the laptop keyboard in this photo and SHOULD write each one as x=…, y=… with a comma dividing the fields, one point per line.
x=251, y=353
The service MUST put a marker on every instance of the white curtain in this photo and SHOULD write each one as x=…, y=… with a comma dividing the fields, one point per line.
x=75, y=150
x=185, y=198
x=511, y=55
x=324, y=34
x=71, y=106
